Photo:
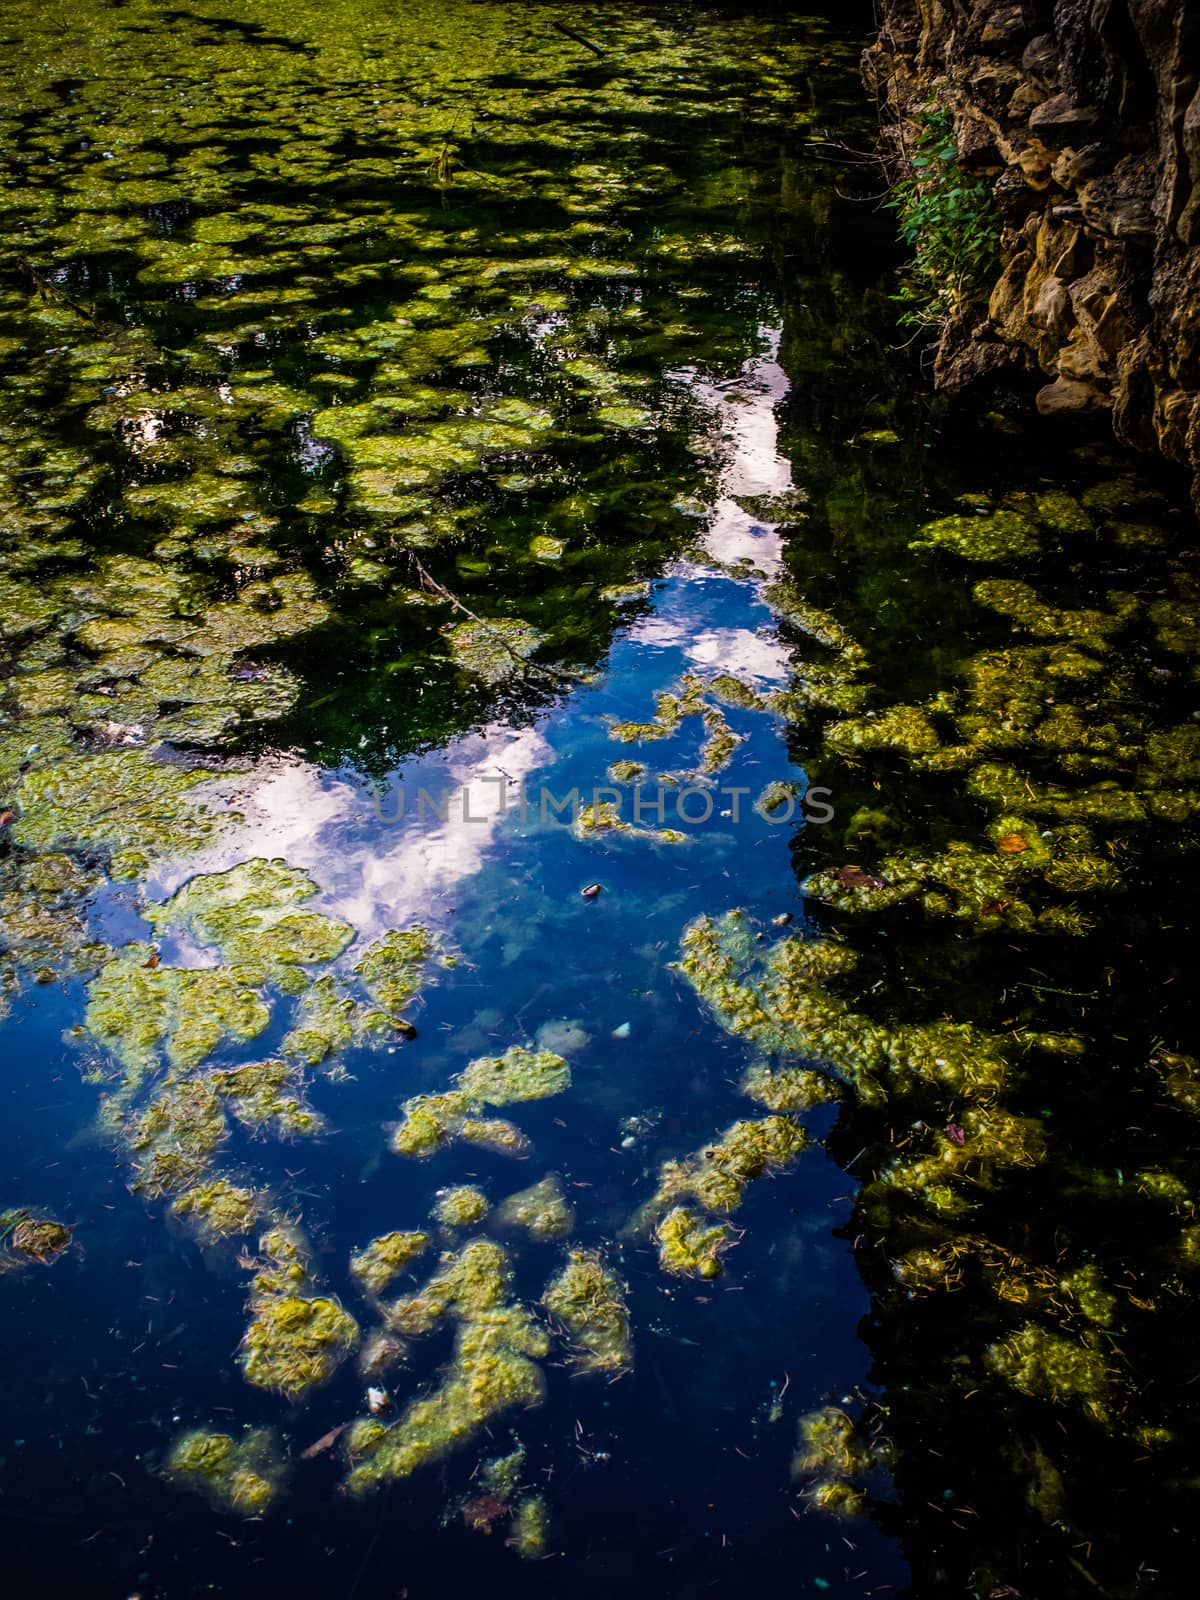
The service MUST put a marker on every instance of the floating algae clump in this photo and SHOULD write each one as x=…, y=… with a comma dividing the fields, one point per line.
x=219, y=1208
x=717, y=1174
x=1049, y=1367
x=497, y=1345
x=460, y=1207
x=735, y=692
x=829, y=1443
x=125, y=799
x=518, y=1074
x=139, y=1008
x=778, y=997
x=243, y=1475
x=904, y=728
x=587, y=1300
x=430, y=1122
x=295, y=1340
x=688, y=1243
x=530, y=1526
x=543, y=1211
x=34, y=1238
x=176, y=1136
x=494, y=649
x=263, y=1095
x=837, y=1498
x=1180, y=1078
x=501, y=1475
x=604, y=817
x=996, y=536
x=833, y=1453
x=252, y=914
x=718, y=748
x=468, y=1282
x=376, y=1264
x=787, y=1088
x=498, y=1134
x=324, y=1023
x=390, y=968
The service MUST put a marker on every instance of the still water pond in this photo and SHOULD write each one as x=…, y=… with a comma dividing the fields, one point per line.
x=565, y=1019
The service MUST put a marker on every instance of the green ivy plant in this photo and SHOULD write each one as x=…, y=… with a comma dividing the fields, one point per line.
x=950, y=222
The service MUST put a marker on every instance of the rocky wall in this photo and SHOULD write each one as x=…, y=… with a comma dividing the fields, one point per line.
x=1085, y=116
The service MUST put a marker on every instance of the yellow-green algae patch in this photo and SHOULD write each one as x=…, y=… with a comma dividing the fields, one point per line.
x=519, y=1074
x=717, y=1174
x=145, y=1011
x=467, y=1281
x=543, y=1211
x=494, y=649
x=493, y=1369
x=779, y=997
x=627, y=772
x=26, y=1237
x=995, y=536
x=296, y=1340
x=831, y=1454
x=385, y=1258
x=1046, y=1366
x=586, y=1300
x=175, y=1137
x=602, y=817
x=530, y=1528
x=461, y=1206
x=124, y=799
x=501, y=1475
x=789, y=1089
x=325, y=1023
x=690, y=1244
x=243, y=1475
x=432, y=1121
x=497, y=1134
x=219, y=1209
x=267, y=1095
x=253, y=914
x=390, y=968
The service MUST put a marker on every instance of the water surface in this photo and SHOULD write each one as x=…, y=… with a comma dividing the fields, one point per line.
x=399, y=407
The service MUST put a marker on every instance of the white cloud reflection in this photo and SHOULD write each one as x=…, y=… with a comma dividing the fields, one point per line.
x=379, y=868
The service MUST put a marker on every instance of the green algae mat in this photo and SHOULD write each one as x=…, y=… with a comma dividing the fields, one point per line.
x=594, y=890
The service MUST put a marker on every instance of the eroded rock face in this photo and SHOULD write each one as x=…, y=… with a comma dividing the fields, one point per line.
x=1086, y=116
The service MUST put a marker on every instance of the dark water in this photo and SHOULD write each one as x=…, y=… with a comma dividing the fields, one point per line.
x=354, y=358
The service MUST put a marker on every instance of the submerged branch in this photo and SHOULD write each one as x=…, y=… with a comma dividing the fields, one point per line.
x=428, y=581
x=50, y=291
x=579, y=39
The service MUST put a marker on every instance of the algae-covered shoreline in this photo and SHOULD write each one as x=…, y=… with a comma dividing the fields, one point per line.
x=439, y=398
